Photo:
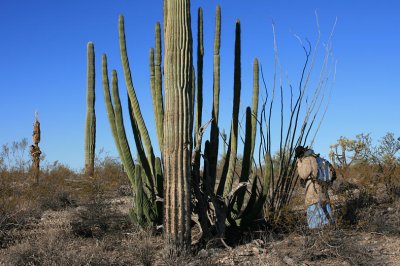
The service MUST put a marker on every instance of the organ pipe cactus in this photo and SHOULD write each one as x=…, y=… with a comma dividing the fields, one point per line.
x=227, y=180
x=145, y=209
x=166, y=181
x=90, y=129
x=214, y=133
x=199, y=91
x=254, y=108
x=156, y=85
x=136, y=113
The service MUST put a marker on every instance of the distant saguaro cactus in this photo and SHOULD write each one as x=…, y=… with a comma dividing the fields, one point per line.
x=35, y=150
x=90, y=130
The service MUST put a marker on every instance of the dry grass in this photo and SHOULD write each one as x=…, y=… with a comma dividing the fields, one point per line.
x=69, y=220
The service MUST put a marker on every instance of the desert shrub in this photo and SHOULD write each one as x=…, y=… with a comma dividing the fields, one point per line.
x=356, y=201
x=110, y=171
x=14, y=157
x=96, y=216
x=54, y=190
x=369, y=164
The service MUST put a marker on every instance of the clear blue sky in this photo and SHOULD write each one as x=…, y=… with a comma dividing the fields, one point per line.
x=43, y=63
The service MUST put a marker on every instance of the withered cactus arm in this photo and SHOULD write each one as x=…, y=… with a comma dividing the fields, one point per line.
x=90, y=128
x=35, y=150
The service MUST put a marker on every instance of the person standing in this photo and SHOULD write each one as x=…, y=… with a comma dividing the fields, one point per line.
x=319, y=212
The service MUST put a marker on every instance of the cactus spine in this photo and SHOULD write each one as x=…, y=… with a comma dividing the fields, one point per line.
x=90, y=130
x=177, y=121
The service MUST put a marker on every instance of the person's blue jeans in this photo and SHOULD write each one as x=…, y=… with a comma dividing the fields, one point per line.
x=319, y=215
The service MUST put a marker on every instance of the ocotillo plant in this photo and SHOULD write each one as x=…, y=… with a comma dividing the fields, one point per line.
x=35, y=150
x=90, y=129
x=279, y=171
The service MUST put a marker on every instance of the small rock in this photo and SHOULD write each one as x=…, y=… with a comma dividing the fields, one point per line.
x=289, y=261
x=202, y=253
x=256, y=250
x=258, y=242
x=390, y=209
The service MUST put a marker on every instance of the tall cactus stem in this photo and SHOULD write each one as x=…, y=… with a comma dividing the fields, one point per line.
x=158, y=88
x=126, y=157
x=200, y=55
x=214, y=133
x=132, y=95
x=109, y=106
x=246, y=163
x=90, y=128
x=235, y=113
x=177, y=139
x=254, y=108
x=199, y=90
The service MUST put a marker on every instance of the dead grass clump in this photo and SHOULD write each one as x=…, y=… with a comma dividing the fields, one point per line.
x=178, y=259
x=333, y=244
x=47, y=249
x=55, y=247
x=144, y=248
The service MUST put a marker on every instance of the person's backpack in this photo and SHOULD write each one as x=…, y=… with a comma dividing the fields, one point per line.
x=326, y=173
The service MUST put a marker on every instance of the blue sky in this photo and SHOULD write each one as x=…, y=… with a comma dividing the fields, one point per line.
x=43, y=63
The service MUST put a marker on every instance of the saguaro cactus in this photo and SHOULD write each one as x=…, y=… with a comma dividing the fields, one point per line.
x=35, y=150
x=177, y=120
x=90, y=130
